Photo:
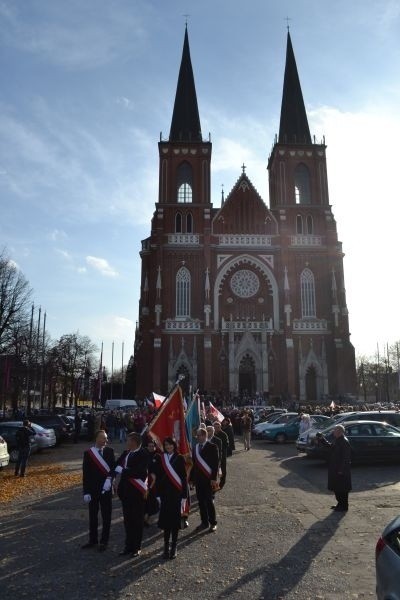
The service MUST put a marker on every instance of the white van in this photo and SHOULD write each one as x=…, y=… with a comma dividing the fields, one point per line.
x=118, y=404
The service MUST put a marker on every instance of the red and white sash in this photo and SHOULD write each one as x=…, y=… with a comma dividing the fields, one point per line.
x=201, y=463
x=139, y=484
x=99, y=461
x=172, y=474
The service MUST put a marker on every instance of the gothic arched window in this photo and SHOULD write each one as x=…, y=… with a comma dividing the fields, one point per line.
x=307, y=286
x=189, y=223
x=184, y=182
x=299, y=224
x=178, y=223
x=310, y=225
x=183, y=293
x=302, y=188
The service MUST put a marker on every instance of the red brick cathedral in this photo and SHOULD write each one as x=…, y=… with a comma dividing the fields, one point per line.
x=244, y=299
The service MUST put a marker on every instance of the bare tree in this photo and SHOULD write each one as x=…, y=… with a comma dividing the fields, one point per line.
x=15, y=294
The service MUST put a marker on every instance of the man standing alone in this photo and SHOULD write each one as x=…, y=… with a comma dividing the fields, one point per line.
x=23, y=437
x=339, y=469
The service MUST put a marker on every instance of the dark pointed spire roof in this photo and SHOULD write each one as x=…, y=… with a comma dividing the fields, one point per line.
x=293, y=127
x=185, y=125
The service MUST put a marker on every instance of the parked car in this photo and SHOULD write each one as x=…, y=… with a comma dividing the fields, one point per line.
x=273, y=418
x=4, y=456
x=8, y=430
x=303, y=439
x=289, y=431
x=62, y=427
x=387, y=562
x=45, y=438
x=388, y=416
x=370, y=441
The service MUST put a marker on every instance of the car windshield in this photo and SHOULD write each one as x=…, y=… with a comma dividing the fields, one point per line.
x=38, y=428
x=283, y=419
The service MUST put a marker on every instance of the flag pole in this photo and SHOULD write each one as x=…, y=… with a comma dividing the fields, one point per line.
x=122, y=371
x=100, y=377
x=112, y=370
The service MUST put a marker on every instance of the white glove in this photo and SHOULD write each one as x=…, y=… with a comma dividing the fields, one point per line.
x=107, y=485
x=119, y=469
x=158, y=501
x=87, y=498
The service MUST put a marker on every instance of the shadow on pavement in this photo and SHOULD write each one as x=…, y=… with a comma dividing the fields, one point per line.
x=279, y=578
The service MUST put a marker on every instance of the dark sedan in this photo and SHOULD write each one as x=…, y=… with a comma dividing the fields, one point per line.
x=370, y=441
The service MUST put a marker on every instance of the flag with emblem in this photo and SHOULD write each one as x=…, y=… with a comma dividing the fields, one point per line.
x=170, y=422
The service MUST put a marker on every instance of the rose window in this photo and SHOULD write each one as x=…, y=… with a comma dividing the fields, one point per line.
x=245, y=283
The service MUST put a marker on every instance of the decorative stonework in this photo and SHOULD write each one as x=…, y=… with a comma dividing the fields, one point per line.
x=175, y=325
x=244, y=283
x=244, y=240
x=247, y=325
x=314, y=325
x=305, y=240
x=186, y=239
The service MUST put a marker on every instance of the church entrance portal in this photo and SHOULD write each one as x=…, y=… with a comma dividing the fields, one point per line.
x=311, y=385
x=247, y=376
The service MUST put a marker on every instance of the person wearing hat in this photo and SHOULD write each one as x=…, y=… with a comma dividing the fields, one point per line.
x=339, y=468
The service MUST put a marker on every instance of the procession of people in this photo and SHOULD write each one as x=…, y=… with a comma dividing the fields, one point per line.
x=153, y=478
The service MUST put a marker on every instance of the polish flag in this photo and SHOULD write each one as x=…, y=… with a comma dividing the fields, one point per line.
x=215, y=413
x=170, y=422
x=158, y=399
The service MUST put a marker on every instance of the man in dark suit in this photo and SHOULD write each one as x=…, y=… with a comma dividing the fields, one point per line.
x=221, y=435
x=339, y=467
x=204, y=476
x=132, y=470
x=98, y=468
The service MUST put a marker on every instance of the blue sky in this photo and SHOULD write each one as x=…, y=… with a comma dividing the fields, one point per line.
x=87, y=86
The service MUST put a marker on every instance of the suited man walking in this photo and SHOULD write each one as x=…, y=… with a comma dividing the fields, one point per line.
x=221, y=435
x=204, y=476
x=132, y=470
x=98, y=468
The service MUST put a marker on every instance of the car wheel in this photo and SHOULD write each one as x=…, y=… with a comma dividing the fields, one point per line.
x=280, y=438
x=13, y=455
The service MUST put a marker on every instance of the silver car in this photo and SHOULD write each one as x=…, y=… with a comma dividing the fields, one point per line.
x=45, y=438
x=387, y=560
x=4, y=456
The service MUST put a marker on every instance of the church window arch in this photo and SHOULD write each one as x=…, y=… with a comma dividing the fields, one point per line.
x=299, y=224
x=302, y=187
x=178, y=223
x=310, y=225
x=184, y=183
x=182, y=282
x=189, y=223
x=307, y=286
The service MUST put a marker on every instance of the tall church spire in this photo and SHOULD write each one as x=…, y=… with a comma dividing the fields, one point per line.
x=185, y=125
x=293, y=128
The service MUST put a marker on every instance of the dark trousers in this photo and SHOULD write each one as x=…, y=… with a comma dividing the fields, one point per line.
x=133, y=512
x=205, y=497
x=223, y=472
x=342, y=499
x=104, y=502
x=23, y=455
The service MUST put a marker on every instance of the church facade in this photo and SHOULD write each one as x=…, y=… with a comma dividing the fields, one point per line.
x=244, y=299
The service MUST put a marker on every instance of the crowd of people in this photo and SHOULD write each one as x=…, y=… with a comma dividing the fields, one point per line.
x=150, y=481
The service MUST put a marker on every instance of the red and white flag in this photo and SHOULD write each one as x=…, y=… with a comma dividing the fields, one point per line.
x=170, y=422
x=158, y=399
x=215, y=413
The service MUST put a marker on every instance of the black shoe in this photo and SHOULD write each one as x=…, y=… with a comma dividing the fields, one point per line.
x=341, y=509
x=136, y=553
x=102, y=547
x=173, y=553
x=201, y=527
x=88, y=545
x=212, y=528
x=125, y=552
x=334, y=507
x=166, y=551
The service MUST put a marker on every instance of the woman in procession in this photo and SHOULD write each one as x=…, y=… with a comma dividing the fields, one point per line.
x=171, y=489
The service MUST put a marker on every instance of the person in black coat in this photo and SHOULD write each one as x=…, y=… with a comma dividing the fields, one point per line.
x=221, y=435
x=171, y=488
x=132, y=470
x=98, y=469
x=23, y=437
x=339, y=468
x=151, y=506
x=228, y=429
x=204, y=476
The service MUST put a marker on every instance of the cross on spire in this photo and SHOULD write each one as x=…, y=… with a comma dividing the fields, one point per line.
x=244, y=168
x=287, y=19
x=186, y=19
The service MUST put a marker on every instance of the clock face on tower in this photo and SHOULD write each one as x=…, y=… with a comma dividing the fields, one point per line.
x=244, y=283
